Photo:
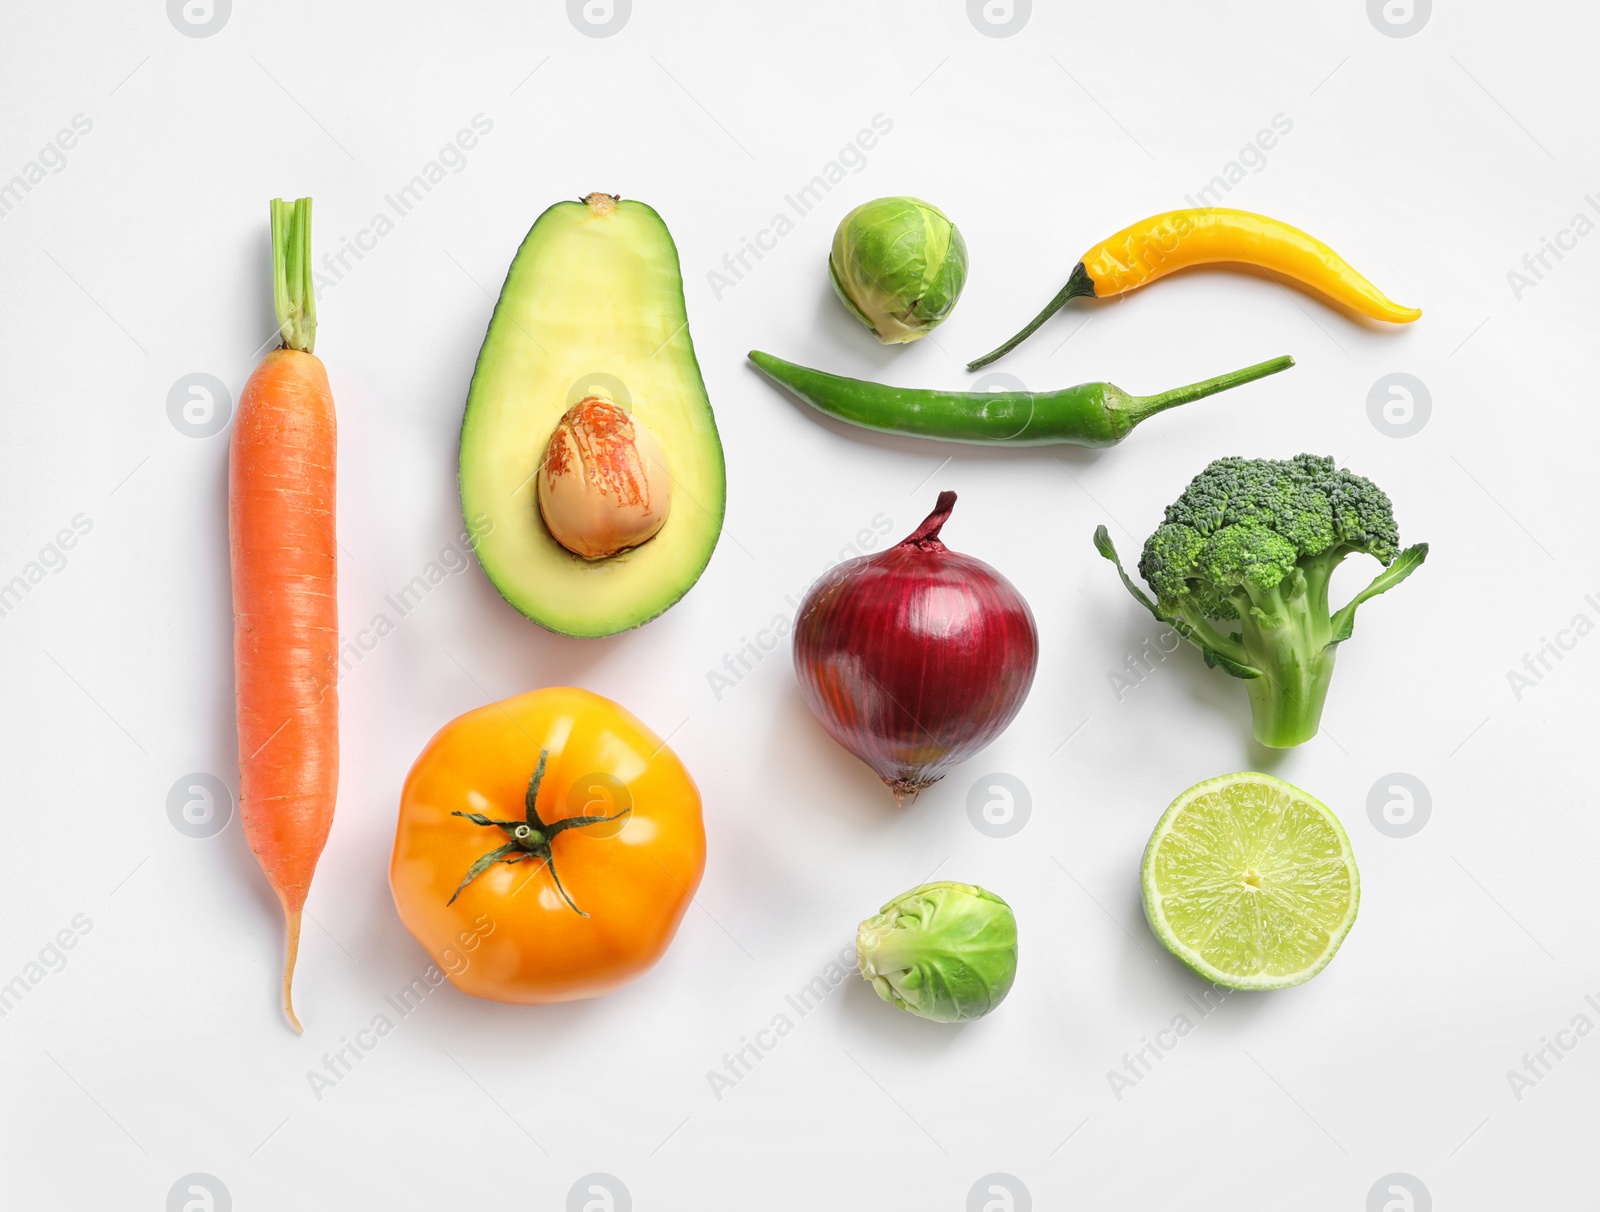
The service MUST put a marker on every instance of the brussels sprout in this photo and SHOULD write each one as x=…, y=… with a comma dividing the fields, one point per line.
x=942, y=951
x=899, y=265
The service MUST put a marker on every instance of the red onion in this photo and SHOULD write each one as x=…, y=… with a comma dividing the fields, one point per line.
x=916, y=658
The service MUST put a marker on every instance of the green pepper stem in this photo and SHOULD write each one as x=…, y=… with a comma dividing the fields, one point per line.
x=1140, y=407
x=1079, y=286
x=294, y=296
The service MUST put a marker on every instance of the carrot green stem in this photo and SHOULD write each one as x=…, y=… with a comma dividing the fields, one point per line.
x=1140, y=407
x=294, y=296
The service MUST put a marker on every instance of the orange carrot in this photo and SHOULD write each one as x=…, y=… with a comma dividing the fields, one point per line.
x=285, y=612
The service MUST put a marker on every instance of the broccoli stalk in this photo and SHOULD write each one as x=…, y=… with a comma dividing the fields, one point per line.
x=1287, y=637
x=1241, y=567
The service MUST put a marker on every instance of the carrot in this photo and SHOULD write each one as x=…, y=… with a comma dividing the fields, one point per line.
x=285, y=612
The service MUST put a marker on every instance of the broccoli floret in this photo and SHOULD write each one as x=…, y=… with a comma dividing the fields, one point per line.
x=1240, y=567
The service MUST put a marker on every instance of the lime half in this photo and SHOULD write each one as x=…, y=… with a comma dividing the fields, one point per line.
x=1250, y=882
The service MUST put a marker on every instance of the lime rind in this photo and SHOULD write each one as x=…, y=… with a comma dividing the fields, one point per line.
x=1250, y=881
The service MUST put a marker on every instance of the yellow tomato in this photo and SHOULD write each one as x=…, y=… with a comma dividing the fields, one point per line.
x=566, y=910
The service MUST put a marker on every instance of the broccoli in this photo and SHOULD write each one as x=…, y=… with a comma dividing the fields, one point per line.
x=1240, y=568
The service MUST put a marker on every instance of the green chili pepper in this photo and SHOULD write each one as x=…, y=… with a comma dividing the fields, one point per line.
x=1091, y=414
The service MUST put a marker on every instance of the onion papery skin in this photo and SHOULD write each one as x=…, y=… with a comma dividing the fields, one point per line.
x=916, y=658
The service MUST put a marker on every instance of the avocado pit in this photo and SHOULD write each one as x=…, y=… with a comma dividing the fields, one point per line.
x=603, y=485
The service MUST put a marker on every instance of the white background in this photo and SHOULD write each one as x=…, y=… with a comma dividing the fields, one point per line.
x=1434, y=162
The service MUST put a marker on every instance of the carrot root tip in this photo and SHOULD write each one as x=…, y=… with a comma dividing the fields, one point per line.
x=288, y=971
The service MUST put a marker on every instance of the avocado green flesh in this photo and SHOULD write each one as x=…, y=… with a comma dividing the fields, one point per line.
x=592, y=305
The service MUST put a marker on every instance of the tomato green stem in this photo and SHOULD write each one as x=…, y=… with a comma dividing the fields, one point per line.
x=294, y=295
x=530, y=837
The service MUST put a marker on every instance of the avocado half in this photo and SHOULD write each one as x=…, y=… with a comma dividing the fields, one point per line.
x=592, y=305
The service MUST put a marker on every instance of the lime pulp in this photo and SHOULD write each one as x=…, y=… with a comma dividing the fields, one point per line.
x=1250, y=881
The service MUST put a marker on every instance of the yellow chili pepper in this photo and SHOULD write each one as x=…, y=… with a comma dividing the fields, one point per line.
x=1154, y=247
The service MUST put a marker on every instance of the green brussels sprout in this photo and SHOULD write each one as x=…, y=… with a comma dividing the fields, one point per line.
x=899, y=265
x=943, y=951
